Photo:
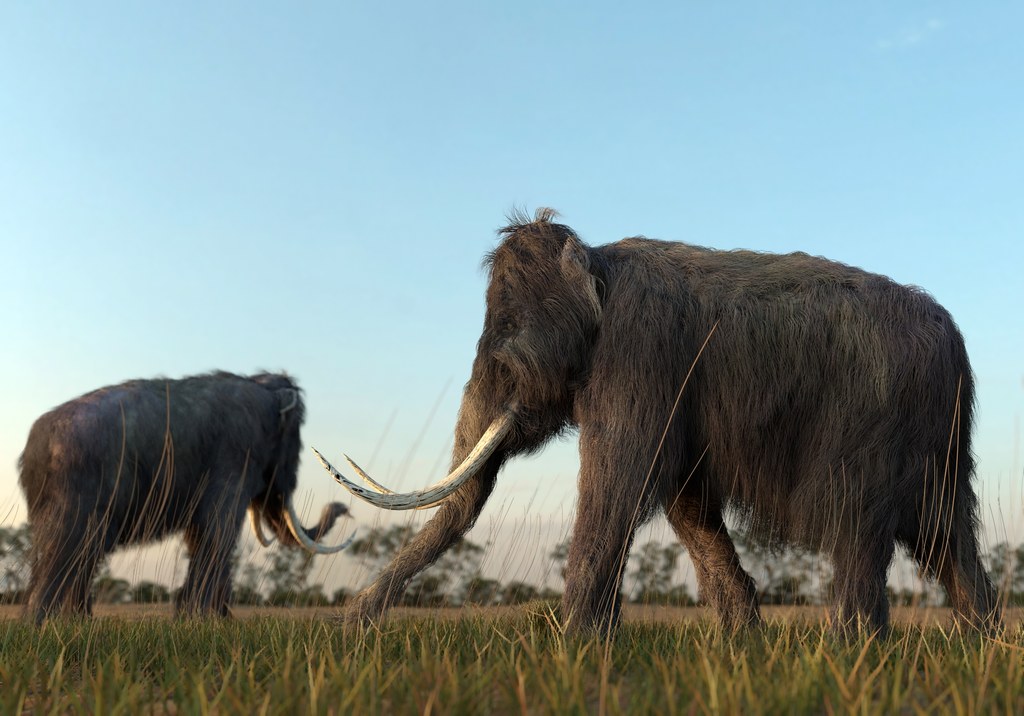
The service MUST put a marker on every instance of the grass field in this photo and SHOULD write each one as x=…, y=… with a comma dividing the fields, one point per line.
x=494, y=660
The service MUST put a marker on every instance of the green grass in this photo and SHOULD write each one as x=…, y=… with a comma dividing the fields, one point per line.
x=497, y=662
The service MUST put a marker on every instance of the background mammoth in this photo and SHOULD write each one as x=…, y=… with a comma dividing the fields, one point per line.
x=824, y=405
x=138, y=461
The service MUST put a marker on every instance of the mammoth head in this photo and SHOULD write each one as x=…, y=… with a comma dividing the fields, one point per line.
x=289, y=412
x=543, y=311
x=281, y=473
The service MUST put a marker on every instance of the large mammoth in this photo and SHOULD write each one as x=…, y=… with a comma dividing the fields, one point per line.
x=135, y=462
x=824, y=405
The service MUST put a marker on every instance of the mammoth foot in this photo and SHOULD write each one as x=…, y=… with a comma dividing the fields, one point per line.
x=735, y=613
x=582, y=619
x=362, y=611
x=739, y=622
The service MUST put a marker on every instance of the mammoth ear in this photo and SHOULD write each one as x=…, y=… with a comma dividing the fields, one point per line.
x=290, y=407
x=575, y=263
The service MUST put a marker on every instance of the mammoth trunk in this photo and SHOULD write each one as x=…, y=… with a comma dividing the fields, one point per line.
x=475, y=424
x=454, y=517
x=274, y=512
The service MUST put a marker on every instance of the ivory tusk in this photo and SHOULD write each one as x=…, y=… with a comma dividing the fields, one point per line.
x=437, y=493
x=366, y=478
x=295, y=527
x=257, y=528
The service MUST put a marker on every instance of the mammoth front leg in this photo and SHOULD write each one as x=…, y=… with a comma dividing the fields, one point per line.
x=721, y=579
x=207, y=587
x=454, y=517
x=616, y=484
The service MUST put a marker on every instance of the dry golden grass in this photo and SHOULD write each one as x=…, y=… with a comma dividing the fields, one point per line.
x=662, y=660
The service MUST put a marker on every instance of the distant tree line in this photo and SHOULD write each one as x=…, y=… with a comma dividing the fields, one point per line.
x=787, y=576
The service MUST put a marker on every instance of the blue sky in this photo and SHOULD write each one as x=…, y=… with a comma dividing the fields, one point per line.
x=311, y=187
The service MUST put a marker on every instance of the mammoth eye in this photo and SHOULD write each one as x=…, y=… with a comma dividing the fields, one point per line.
x=507, y=324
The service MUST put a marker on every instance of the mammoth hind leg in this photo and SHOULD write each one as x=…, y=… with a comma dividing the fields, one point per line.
x=66, y=551
x=861, y=567
x=950, y=553
x=723, y=583
x=970, y=590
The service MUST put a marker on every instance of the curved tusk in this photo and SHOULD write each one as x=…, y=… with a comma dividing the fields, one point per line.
x=431, y=496
x=257, y=528
x=379, y=487
x=295, y=527
x=366, y=478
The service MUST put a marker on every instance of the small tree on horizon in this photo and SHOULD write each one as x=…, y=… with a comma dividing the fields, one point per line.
x=147, y=592
x=246, y=589
x=482, y=591
x=1006, y=568
x=15, y=546
x=516, y=592
x=444, y=582
x=654, y=573
x=558, y=554
x=108, y=589
x=784, y=575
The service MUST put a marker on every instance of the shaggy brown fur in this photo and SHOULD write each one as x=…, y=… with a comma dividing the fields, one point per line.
x=831, y=407
x=135, y=462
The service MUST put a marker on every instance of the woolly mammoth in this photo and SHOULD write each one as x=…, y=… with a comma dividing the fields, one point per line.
x=822, y=405
x=135, y=462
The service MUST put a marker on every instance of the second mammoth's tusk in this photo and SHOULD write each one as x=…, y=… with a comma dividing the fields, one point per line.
x=257, y=528
x=295, y=527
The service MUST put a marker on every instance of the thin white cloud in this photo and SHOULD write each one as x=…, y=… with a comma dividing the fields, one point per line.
x=912, y=37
